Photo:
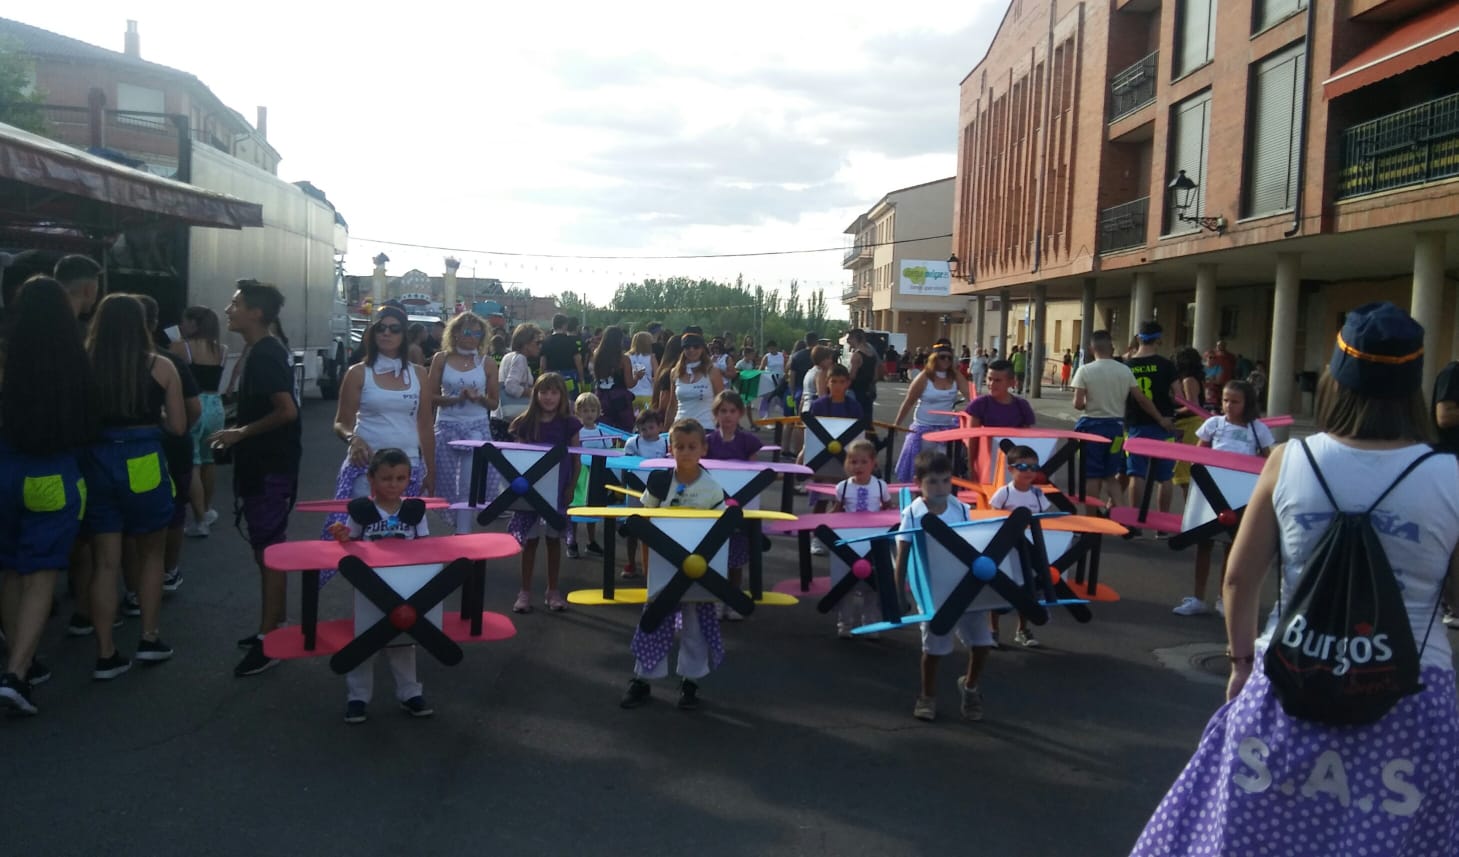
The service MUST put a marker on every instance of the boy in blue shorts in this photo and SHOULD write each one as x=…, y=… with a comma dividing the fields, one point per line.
x=1102, y=387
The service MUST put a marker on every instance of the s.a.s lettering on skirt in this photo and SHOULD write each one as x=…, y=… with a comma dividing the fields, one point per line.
x=1263, y=784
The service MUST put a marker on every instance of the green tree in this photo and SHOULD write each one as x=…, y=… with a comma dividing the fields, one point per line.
x=20, y=102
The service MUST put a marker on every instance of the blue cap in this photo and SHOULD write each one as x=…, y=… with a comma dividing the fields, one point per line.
x=1379, y=352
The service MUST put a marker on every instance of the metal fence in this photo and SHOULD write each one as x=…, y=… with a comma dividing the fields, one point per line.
x=1134, y=87
x=1412, y=146
x=1123, y=225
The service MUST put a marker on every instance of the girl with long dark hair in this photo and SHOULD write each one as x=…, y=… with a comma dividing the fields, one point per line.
x=47, y=417
x=129, y=490
x=202, y=347
x=612, y=370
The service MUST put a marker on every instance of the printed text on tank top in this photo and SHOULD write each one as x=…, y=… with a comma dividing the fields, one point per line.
x=387, y=418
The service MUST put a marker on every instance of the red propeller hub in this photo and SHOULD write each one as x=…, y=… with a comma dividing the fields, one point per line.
x=403, y=617
x=861, y=569
x=1226, y=518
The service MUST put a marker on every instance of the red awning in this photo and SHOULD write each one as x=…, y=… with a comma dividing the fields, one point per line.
x=59, y=184
x=1430, y=36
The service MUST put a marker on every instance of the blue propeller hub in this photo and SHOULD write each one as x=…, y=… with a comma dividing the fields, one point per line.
x=984, y=569
x=520, y=486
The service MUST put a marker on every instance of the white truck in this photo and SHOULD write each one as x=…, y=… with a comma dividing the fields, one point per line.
x=299, y=249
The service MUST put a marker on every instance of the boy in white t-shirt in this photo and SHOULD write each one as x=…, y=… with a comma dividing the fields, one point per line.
x=1235, y=430
x=1021, y=493
x=933, y=472
x=385, y=514
x=860, y=491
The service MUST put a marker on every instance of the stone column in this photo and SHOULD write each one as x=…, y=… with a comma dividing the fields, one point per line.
x=448, y=291
x=1037, y=339
x=980, y=323
x=1428, y=299
x=1207, y=321
x=1005, y=298
x=378, y=283
x=1281, y=375
x=1087, y=323
x=1142, y=305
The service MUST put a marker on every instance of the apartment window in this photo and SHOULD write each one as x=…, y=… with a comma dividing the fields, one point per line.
x=1195, y=37
x=1190, y=124
x=1268, y=13
x=1275, y=105
x=1227, y=328
x=142, y=100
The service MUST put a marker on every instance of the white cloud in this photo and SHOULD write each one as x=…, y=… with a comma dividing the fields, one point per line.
x=646, y=128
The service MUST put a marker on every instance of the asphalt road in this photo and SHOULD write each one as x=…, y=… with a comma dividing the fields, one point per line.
x=805, y=743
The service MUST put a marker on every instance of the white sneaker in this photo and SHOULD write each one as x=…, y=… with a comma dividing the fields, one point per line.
x=818, y=549
x=1191, y=606
x=197, y=531
x=1220, y=609
x=211, y=517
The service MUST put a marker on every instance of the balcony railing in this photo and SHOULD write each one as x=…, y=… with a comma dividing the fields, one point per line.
x=1123, y=226
x=1413, y=146
x=855, y=252
x=1133, y=88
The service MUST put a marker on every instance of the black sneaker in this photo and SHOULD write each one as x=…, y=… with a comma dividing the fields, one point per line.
x=594, y=548
x=354, y=712
x=254, y=662
x=110, y=668
x=15, y=692
x=250, y=641
x=688, y=695
x=79, y=626
x=129, y=605
x=153, y=651
x=38, y=673
x=172, y=580
x=637, y=694
x=416, y=707
x=572, y=551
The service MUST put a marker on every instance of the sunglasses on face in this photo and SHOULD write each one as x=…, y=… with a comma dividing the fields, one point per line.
x=471, y=334
x=1023, y=467
x=382, y=327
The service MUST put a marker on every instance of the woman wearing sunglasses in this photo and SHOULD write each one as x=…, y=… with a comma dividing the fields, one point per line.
x=938, y=387
x=463, y=382
x=384, y=403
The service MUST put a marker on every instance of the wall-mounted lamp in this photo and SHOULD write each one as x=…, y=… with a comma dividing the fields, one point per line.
x=954, y=268
x=1182, y=193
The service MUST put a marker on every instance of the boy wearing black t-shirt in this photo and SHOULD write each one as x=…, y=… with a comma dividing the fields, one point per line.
x=563, y=353
x=267, y=449
x=1154, y=375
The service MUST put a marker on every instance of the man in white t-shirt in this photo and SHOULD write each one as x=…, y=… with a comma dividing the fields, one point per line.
x=1101, y=388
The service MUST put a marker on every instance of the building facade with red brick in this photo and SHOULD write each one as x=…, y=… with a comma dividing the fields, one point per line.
x=1320, y=141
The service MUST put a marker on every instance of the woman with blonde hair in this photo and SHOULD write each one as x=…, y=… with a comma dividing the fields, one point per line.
x=515, y=377
x=645, y=369
x=463, y=379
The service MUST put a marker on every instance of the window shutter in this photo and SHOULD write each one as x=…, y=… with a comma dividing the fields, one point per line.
x=1189, y=126
x=1276, y=101
x=1269, y=12
x=1197, y=36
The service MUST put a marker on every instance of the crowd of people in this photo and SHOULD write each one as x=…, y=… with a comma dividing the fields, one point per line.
x=110, y=434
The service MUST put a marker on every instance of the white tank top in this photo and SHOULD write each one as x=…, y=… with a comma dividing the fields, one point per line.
x=645, y=385
x=934, y=399
x=775, y=363
x=1418, y=522
x=453, y=382
x=387, y=417
x=695, y=399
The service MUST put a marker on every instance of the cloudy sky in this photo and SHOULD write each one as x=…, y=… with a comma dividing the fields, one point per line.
x=584, y=128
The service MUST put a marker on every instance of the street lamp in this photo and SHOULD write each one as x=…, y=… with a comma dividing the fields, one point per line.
x=1182, y=194
x=954, y=268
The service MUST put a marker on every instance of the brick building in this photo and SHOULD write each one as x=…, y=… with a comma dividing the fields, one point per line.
x=897, y=229
x=1320, y=142
x=137, y=103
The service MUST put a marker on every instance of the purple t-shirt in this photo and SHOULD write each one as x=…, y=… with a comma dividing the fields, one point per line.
x=848, y=408
x=990, y=412
x=741, y=447
x=552, y=433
